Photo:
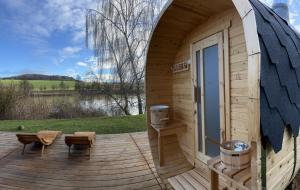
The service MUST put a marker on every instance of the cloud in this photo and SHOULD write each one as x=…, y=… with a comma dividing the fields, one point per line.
x=99, y=78
x=71, y=73
x=67, y=52
x=92, y=60
x=291, y=2
x=69, y=15
x=101, y=73
x=106, y=78
x=82, y=64
x=267, y=2
x=39, y=20
x=293, y=17
x=270, y=2
x=70, y=51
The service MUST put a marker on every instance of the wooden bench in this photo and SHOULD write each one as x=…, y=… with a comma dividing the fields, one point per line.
x=170, y=129
x=81, y=138
x=239, y=179
x=45, y=138
x=191, y=180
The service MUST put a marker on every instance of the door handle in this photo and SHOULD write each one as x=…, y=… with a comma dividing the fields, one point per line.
x=223, y=135
x=196, y=93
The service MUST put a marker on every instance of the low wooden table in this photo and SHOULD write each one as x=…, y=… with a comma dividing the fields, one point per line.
x=170, y=129
x=239, y=179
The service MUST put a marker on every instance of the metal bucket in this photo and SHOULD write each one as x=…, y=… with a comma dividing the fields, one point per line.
x=159, y=115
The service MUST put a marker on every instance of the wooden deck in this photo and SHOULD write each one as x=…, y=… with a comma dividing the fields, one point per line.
x=121, y=161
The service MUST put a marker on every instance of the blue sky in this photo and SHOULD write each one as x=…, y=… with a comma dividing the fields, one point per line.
x=48, y=36
x=44, y=36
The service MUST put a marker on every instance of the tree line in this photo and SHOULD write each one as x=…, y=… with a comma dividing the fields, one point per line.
x=103, y=88
x=17, y=101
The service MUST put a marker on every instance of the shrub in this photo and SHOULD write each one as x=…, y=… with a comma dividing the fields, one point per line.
x=8, y=98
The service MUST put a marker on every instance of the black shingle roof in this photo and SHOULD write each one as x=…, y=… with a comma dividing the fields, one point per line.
x=280, y=75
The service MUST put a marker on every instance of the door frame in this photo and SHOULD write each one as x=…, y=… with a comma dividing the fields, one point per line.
x=200, y=45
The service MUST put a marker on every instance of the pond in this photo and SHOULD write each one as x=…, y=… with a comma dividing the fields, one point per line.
x=102, y=103
x=108, y=105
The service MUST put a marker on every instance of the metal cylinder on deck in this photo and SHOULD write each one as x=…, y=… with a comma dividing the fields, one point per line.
x=159, y=115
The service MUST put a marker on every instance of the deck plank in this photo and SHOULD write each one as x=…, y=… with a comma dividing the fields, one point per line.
x=189, y=180
x=193, y=181
x=118, y=162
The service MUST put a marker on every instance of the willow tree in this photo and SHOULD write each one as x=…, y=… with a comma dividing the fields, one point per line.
x=118, y=31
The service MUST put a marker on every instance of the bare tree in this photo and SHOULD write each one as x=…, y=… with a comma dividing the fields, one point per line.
x=118, y=31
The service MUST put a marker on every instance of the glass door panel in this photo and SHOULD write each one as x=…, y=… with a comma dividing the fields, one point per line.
x=211, y=99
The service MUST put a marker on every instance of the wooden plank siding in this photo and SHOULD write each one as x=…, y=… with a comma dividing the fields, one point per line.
x=280, y=165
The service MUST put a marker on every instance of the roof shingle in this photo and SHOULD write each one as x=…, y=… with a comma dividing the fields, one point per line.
x=280, y=75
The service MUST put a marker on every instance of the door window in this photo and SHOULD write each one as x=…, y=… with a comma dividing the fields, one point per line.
x=211, y=99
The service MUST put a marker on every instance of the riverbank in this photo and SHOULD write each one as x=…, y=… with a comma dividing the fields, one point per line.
x=55, y=93
x=67, y=93
x=101, y=125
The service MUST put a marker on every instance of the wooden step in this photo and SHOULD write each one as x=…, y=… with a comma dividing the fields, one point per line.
x=190, y=180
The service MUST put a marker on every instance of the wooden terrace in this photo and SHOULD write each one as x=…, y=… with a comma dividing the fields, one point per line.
x=121, y=161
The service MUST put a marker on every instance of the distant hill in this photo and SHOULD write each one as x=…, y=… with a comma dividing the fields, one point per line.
x=39, y=77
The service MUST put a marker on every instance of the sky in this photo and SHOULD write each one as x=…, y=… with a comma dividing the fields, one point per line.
x=294, y=7
x=48, y=36
x=44, y=36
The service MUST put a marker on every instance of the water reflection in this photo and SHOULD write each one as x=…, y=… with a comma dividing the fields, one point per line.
x=95, y=102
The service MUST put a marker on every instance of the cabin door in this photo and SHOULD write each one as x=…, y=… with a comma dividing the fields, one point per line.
x=209, y=95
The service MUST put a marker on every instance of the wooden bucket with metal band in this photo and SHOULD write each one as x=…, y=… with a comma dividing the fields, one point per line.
x=235, y=155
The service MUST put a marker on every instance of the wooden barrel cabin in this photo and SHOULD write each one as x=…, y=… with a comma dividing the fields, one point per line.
x=227, y=70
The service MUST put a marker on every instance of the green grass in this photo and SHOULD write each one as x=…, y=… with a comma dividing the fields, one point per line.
x=37, y=84
x=104, y=125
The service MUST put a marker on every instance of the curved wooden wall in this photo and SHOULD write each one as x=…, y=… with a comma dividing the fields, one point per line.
x=168, y=45
x=179, y=25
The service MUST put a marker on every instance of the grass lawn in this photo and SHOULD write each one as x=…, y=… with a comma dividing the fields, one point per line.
x=37, y=84
x=104, y=125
